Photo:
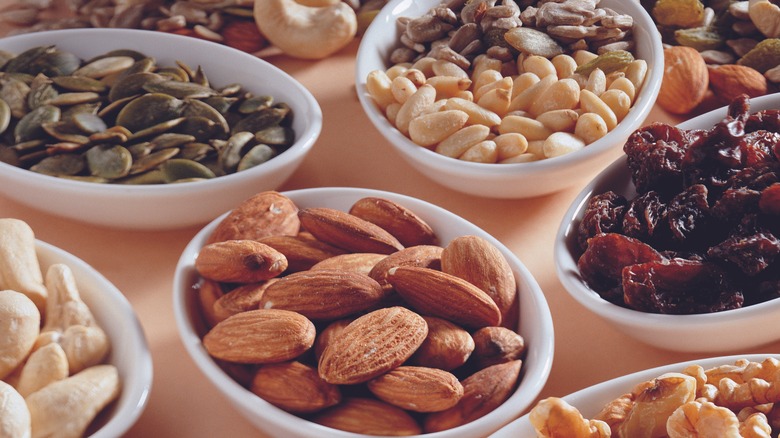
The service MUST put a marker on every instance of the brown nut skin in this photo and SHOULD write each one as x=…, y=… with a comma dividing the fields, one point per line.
x=264, y=214
x=418, y=389
x=396, y=219
x=294, y=387
x=369, y=416
x=301, y=252
x=348, y=232
x=446, y=347
x=494, y=345
x=239, y=261
x=421, y=256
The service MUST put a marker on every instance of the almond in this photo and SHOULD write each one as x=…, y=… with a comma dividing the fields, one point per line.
x=421, y=256
x=483, y=392
x=243, y=298
x=348, y=232
x=731, y=80
x=479, y=262
x=260, y=336
x=328, y=334
x=444, y=295
x=447, y=345
x=294, y=387
x=494, y=345
x=369, y=417
x=264, y=214
x=685, y=81
x=398, y=220
x=239, y=261
x=209, y=292
x=323, y=295
x=371, y=345
x=418, y=389
x=359, y=262
x=302, y=253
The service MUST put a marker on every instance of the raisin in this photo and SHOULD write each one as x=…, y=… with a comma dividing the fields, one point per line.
x=757, y=177
x=655, y=153
x=603, y=214
x=769, y=202
x=735, y=203
x=756, y=147
x=607, y=254
x=767, y=120
x=752, y=254
x=643, y=215
x=679, y=287
x=688, y=213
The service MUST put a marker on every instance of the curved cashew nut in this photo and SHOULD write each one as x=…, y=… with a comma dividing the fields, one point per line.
x=19, y=326
x=14, y=415
x=765, y=15
x=45, y=365
x=19, y=267
x=305, y=31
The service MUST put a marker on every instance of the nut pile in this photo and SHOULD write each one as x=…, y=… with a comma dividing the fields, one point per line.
x=53, y=379
x=733, y=46
x=497, y=83
x=359, y=320
x=739, y=400
x=123, y=118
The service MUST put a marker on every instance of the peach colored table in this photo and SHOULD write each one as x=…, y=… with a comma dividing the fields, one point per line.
x=349, y=152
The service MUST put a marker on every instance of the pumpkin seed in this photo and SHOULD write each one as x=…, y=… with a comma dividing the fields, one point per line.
x=109, y=162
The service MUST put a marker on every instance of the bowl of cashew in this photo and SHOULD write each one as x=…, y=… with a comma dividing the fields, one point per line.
x=518, y=119
x=74, y=360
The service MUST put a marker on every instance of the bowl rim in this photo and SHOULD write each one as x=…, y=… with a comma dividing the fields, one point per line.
x=531, y=384
x=566, y=264
x=304, y=142
x=132, y=400
x=639, y=111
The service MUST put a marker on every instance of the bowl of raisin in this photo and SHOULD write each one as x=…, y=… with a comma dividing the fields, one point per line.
x=678, y=241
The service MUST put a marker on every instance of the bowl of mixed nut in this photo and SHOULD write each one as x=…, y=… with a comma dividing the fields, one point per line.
x=74, y=359
x=147, y=130
x=676, y=243
x=509, y=99
x=361, y=312
x=714, y=396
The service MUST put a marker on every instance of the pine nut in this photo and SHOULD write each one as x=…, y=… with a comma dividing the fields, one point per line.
x=562, y=143
x=530, y=128
x=456, y=144
x=510, y=145
x=590, y=127
x=619, y=102
x=476, y=113
x=417, y=104
x=591, y=103
x=429, y=129
x=559, y=120
x=402, y=88
x=378, y=86
x=482, y=152
x=562, y=94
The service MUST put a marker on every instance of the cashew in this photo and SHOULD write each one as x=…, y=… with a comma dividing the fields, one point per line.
x=70, y=323
x=19, y=267
x=65, y=408
x=19, y=327
x=46, y=365
x=305, y=31
x=14, y=415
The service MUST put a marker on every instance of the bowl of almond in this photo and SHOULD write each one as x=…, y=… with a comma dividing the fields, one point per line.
x=345, y=312
x=509, y=100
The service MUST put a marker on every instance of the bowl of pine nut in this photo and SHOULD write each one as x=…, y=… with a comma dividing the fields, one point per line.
x=506, y=100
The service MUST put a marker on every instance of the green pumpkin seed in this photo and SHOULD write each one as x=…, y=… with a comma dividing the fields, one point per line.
x=150, y=161
x=5, y=115
x=178, y=169
x=29, y=127
x=257, y=155
x=231, y=154
x=79, y=83
x=60, y=165
x=179, y=89
x=89, y=123
x=109, y=162
x=276, y=136
x=148, y=110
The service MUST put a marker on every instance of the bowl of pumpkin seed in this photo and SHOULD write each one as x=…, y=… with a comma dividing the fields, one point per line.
x=138, y=129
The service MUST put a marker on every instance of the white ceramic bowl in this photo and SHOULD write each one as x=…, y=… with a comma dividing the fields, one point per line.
x=715, y=332
x=535, y=323
x=505, y=180
x=129, y=350
x=589, y=401
x=174, y=205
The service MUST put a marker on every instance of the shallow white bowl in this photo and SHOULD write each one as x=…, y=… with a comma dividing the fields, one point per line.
x=589, y=401
x=129, y=350
x=714, y=332
x=505, y=180
x=173, y=205
x=535, y=323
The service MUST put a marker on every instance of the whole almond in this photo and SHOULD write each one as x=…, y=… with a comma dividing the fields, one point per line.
x=348, y=232
x=371, y=345
x=368, y=416
x=685, y=81
x=264, y=214
x=359, y=262
x=294, y=387
x=731, y=80
x=242, y=298
x=447, y=345
x=239, y=261
x=398, y=220
x=323, y=295
x=479, y=262
x=209, y=292
x=260, y=336
x=421, y=256
x=444, y=295
x=328, y=334
x=494, y=345
x=418, y=389
x=483, y=392
x=302, y=253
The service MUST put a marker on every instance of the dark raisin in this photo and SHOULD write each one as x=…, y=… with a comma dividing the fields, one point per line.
x=607, y=254
x=643, y=216
x=756, y=147
x=767, y=120
x=679, y=287
x=769, y=201
x=603, y=214
x=655, y=153
x=735, y=203
x=688, y=213
x=751, y=248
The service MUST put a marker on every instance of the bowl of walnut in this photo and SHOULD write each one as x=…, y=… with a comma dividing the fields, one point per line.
x=712, y=396
x=676, y=242
x=137, y=129
x=368, y=313
x=509, y=100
